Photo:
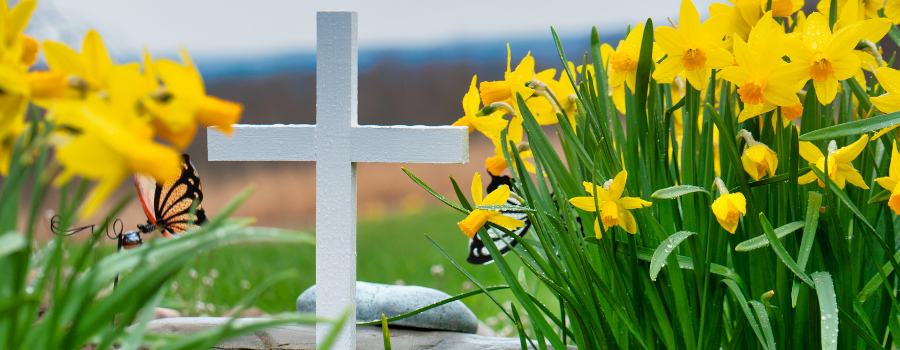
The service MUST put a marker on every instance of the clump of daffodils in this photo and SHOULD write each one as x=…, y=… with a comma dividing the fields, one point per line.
x=110, y=120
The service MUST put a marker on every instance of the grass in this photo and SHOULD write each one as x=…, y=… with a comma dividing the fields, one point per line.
x=391, y=250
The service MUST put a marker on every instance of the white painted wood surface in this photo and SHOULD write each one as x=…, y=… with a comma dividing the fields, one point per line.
x=336, y=143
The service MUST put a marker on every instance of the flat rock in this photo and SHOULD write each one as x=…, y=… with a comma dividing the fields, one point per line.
x=295, y=337
x=373, y=299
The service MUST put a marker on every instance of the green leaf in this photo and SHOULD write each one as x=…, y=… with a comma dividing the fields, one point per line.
x=677, y=191
x=809, y=234
x=843, y=196
x=751, y=318
x=882, y=196
x=665, y=248
x=11, y=242
x=763, y=241
x=780, y=251
x=827, y=309
x=853, y=128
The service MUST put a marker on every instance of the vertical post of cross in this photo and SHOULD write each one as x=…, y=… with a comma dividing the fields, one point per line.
x=336, y=114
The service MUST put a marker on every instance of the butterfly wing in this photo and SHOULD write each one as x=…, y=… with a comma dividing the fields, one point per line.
x=146, y=189
x=478, y=253
x=173, y=201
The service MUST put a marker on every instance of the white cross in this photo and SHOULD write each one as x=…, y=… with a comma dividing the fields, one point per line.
x=336, y=143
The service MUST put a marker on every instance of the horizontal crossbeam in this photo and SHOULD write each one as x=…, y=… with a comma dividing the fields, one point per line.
x=371, y=144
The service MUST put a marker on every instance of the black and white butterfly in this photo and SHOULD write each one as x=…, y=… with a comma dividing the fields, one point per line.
x=478, y=253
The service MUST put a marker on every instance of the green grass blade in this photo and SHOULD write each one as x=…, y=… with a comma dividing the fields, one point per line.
x=827, y=309
x=469, y=276
x=434, y=193
x=751, y=317
x=858, y=329
x=853, y=128
x=782, y=253
x=434, y=305
x=662, y=251
x=386, y=335
x=764, y=322
x=763, y=241
x=677, y=191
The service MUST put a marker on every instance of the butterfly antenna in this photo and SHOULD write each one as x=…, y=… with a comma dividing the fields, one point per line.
x=54, y=227
x=117, y=226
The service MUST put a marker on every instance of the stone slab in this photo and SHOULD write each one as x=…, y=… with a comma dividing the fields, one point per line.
x=296, y=337
x=373, y=299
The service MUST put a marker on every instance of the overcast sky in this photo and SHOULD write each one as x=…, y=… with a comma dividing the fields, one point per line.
x=232, y=27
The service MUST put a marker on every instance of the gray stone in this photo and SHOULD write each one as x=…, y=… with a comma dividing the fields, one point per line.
x=295, y=337
x=373, y=299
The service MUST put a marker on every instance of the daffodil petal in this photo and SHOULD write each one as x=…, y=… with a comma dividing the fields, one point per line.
x=584, y=203
x=848, y=153
x=476, y=189
x=633, y=203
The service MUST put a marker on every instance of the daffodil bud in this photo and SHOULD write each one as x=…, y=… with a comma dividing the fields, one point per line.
x=758, y=159
x=728, y=209
x=77, y=82
x=720, y=185
x=523, y=147
x=493, y=107
x=870, y=48
x=543, y=90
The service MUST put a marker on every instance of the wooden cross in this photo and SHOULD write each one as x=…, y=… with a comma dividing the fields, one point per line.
x=336, y=143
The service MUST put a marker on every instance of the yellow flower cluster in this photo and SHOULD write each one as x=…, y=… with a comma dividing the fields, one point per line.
x=110, y=120
x=768, y=50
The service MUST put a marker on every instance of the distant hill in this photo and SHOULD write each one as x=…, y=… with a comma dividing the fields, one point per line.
x=542, y=49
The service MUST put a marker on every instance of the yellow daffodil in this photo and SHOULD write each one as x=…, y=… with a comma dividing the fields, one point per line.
x=490, y=125
x=892, y=10
x=865, y=9
x=890, y=182
x=110, y=141
x=17, y=53
x=479, y=217
x=513, y=82
x=742, y=17
x=183, y=103
x=889, y=79
x=564, y=91
x=7, y=141
x=839, y=168
x=827, y=57
x=92, y=65
x=758, y=159
x=497, y=164
x=763, y=79
x=614, y=209
x=695, y=48
x=623, y=64
x=871, y=30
